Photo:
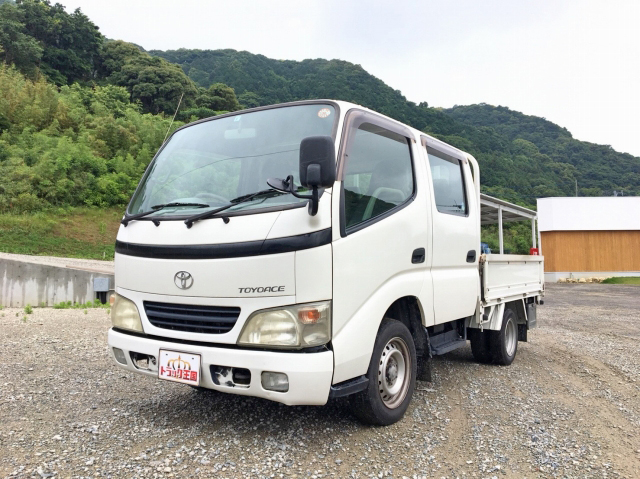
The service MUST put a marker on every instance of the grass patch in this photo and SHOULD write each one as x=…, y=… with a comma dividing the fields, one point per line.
x=622, y=280
x=89, y=304
x=73, y=233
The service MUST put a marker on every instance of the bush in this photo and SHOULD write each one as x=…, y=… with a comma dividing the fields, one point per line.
x=73, y=147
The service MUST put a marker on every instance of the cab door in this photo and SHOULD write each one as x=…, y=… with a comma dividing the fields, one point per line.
x=455, y=235
x=381, y=241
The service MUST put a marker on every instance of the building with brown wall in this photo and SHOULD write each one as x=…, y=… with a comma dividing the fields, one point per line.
x=594, y=236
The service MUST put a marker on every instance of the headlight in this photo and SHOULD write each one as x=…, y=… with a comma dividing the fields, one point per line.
x=292, y=327
x=124, y=314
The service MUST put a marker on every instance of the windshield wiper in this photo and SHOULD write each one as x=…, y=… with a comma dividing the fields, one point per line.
x=235, y=201
x=250, y=196
x=155, y=208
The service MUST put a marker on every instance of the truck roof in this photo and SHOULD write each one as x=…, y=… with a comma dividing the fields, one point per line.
x=417, y=133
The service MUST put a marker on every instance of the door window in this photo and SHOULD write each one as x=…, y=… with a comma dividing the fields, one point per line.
x=448, y=185
x=378, y=175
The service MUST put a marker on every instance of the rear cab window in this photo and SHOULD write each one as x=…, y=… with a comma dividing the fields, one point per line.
x=448, y=184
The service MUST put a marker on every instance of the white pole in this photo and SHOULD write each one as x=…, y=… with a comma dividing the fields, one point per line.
x=533, y=231
x=500, y=229
x=539, y=240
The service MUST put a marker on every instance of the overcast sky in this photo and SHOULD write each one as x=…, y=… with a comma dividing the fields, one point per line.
x=574, y=62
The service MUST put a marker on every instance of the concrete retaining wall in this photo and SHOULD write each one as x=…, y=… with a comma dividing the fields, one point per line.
x=23, y=283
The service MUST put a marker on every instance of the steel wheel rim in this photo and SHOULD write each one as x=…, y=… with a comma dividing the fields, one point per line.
x=394, y=372
x=511, y=338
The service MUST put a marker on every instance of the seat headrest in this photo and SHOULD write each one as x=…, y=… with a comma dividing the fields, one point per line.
x=388, y=174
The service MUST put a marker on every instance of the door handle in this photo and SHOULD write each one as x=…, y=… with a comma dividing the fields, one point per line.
x=471, y=256
x=418, y=256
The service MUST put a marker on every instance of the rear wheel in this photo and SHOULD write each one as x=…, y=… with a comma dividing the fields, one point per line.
x=480, y=346
x=504, y=343
x=392, y=377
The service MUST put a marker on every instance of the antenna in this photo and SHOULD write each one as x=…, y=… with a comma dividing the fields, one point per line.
x=174, y=117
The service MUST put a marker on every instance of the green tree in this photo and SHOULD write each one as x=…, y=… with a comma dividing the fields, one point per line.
x=249, y=100
x=114, y=55
x=218, y=97
x=155, y=83
x=70, y=42
x=16, y=47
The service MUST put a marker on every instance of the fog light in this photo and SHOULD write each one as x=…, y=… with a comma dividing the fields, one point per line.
x=119, y=354
x=275, y=381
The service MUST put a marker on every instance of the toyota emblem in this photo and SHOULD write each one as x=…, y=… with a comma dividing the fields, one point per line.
x=183, y=280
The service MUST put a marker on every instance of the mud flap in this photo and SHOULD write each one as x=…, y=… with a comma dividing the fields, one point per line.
x=522, y=332
x=531, y=315
x=424, y=362
x=424, y=369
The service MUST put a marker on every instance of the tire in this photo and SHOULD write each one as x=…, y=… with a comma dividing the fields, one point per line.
x=504, y=343
x=480, y=345
x=392, y=377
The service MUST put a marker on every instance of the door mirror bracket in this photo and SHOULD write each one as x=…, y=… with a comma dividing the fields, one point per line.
x=317, y=170
x=288, y=186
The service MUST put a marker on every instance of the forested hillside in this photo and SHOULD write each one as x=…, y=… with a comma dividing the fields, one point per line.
x=81, y=115
x=522, y=157
x=599, y=169
x=258, y=80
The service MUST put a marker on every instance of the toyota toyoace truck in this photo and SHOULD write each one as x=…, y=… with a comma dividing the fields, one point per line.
x=312, y=250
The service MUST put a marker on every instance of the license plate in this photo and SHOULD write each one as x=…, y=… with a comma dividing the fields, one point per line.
x=179, y=366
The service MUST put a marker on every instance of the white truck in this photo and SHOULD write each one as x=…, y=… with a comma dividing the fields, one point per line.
x=312, y=250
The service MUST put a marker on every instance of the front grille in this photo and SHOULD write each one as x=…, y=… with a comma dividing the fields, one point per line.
x=192, y=318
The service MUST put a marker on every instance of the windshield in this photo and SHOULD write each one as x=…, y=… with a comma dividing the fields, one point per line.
x=206, y=165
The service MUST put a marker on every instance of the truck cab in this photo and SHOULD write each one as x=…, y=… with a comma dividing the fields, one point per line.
x=305, y=251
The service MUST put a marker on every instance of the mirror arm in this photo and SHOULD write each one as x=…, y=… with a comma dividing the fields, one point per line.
x=288, y=187
x=315, y=200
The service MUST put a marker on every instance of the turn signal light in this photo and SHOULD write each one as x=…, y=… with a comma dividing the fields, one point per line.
x=308, y=316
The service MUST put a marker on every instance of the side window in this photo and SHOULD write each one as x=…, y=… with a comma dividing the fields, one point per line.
x=448, y=185
x=378, y=174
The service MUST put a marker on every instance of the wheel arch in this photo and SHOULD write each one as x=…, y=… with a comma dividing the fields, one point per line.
x=496, y=314
x=518, y=308
x=353, y=343
x=408, y=310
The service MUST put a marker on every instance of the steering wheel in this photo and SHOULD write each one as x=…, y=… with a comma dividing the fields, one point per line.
x=212, y=196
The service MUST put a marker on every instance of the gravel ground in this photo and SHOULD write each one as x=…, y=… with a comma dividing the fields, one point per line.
x=91, y=264
x=568, y=407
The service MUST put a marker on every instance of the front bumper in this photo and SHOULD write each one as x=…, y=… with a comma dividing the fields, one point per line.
x=310, y=374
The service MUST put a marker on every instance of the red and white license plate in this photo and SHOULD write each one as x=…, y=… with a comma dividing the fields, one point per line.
x=179, y=366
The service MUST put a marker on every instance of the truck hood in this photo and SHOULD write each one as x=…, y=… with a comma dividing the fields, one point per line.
x=251, y=256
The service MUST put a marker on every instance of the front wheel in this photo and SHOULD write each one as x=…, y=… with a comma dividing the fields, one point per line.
x=392, y=377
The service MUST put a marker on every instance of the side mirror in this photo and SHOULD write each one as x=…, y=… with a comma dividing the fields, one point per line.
x=317, y=170
x=317, y=162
